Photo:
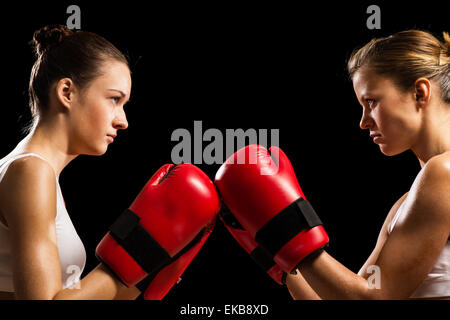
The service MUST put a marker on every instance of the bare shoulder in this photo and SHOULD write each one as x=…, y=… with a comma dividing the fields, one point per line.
x=434, y=176
x=27, y=171
x=439, y=165
x=431, y=189
x=28, y=187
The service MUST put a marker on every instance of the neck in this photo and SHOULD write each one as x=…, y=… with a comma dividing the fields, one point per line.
x=434, y=138
x=49, y=140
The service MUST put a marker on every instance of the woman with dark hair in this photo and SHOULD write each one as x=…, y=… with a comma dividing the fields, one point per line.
x=403, y=85
x=78, y=87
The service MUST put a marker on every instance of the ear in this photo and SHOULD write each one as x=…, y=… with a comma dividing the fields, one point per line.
x=65, y=89
x=422, y=91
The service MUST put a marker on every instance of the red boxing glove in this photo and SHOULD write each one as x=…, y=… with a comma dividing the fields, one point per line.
x=262, y=192
x=263, y=258
x=162, y=230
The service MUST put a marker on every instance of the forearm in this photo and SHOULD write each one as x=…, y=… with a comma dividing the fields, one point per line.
x=99, y=284
x=332, y=280
x=299, y=288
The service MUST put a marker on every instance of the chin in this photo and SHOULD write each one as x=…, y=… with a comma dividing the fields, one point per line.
x=390, y=151
x=97, y=150
x=102, y=152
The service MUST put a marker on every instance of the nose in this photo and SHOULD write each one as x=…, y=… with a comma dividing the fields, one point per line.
x=120, y=120
x=366, y=120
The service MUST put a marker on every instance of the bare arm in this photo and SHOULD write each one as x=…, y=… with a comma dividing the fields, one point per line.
x=406, y=256
x=382, y=237
x=99, y=284
x=28, y=200
x=299, y=288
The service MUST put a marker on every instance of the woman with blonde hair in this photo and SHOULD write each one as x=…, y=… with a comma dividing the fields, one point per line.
x=403, y=85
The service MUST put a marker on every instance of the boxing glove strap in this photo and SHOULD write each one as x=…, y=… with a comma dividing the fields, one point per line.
x=143, y=284
x=288, y=223
x=138, y=243
x=263, y=258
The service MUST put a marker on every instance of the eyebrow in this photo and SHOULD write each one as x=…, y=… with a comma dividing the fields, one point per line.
x=121, y=92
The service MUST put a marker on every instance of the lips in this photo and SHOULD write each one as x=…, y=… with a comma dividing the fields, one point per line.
x=111, y=137
x=373, y=135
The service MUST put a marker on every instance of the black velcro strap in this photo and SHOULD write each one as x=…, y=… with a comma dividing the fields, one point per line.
x=144, y=283
x=138, y=243
x=284, y=226
x=263, y=258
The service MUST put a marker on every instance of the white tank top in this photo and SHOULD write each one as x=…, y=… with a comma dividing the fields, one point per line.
x=437, y=282
x=72, y=254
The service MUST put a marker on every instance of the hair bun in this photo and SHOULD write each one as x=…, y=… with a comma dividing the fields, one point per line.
x=446, y=43
x=49, y=36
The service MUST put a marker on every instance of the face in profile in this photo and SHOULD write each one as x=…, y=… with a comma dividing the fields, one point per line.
x=389, y=114
x=98, y=112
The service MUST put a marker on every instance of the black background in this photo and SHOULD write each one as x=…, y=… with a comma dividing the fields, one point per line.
x=229, y=65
